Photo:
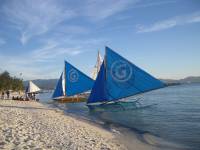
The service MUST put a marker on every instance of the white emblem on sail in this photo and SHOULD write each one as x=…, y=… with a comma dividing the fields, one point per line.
x=121, y=71
x=73, y=75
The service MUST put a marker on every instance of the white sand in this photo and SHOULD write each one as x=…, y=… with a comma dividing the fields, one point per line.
x=30, y=125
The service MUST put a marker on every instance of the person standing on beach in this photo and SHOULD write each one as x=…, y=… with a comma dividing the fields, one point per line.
x=2, y=95
x=8, y=94
x=34, y=96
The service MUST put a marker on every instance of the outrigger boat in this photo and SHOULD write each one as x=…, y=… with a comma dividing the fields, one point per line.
x=73, y=85
x=118, y=79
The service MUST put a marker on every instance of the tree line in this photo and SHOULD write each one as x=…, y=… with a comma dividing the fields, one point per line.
x=10, y=83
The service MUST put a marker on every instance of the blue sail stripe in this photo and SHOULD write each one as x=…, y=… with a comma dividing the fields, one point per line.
x=58, y=92
x=98, y=93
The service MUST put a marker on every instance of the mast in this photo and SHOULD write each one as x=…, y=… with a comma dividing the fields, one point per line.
x=105, y=62
x=99, y=61
x=64, y=74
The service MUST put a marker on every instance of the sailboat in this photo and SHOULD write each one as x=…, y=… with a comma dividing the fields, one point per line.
x=97, y=66
x=72, y=85
x=118, y=79
x=31, y=90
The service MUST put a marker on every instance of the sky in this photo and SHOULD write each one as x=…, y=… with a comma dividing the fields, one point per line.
x=161, y=37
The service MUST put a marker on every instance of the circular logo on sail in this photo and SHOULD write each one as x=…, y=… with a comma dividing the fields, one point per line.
x=73, y=75
x=121, y=71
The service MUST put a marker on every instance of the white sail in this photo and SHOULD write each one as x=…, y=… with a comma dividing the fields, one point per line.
x=63, y=83
x=97, y=66
x=32, y=88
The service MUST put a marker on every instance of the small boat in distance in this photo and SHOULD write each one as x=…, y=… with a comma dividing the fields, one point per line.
x=72, y=85
x=31, y=91
x=118, y=79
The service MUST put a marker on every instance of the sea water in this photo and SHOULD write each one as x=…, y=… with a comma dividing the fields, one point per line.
x=171, y=114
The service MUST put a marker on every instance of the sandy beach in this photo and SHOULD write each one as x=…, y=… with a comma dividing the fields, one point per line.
x=30, y=125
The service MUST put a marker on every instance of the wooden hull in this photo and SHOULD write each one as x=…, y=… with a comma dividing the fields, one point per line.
x=72, y=99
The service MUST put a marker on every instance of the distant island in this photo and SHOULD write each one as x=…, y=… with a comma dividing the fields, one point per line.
x=46, y=84
x=187, y=80
x=49, y=84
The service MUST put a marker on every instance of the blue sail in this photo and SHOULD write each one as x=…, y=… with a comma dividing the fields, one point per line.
x=98, y=93
x=123, y=79
x=58, y=92
x=76, y=81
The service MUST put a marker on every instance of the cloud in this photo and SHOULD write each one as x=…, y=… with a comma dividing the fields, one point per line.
x=28, y=68
x=98, y=10
x=144, y=4
x=71, y=30
x=48, y=54
x=35, y=17
x=46, y=60
x=104, y=9
x=56, y=27
x=170, y=23
x=34, y=67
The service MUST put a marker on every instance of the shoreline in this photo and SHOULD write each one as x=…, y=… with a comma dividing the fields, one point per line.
x=31, y=125
x=132, y=138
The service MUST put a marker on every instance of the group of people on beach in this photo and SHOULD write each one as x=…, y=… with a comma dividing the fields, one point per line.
x=5, y=95
x=29, y=96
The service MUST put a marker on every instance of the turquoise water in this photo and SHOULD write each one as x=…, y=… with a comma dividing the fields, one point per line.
x=171, y=113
